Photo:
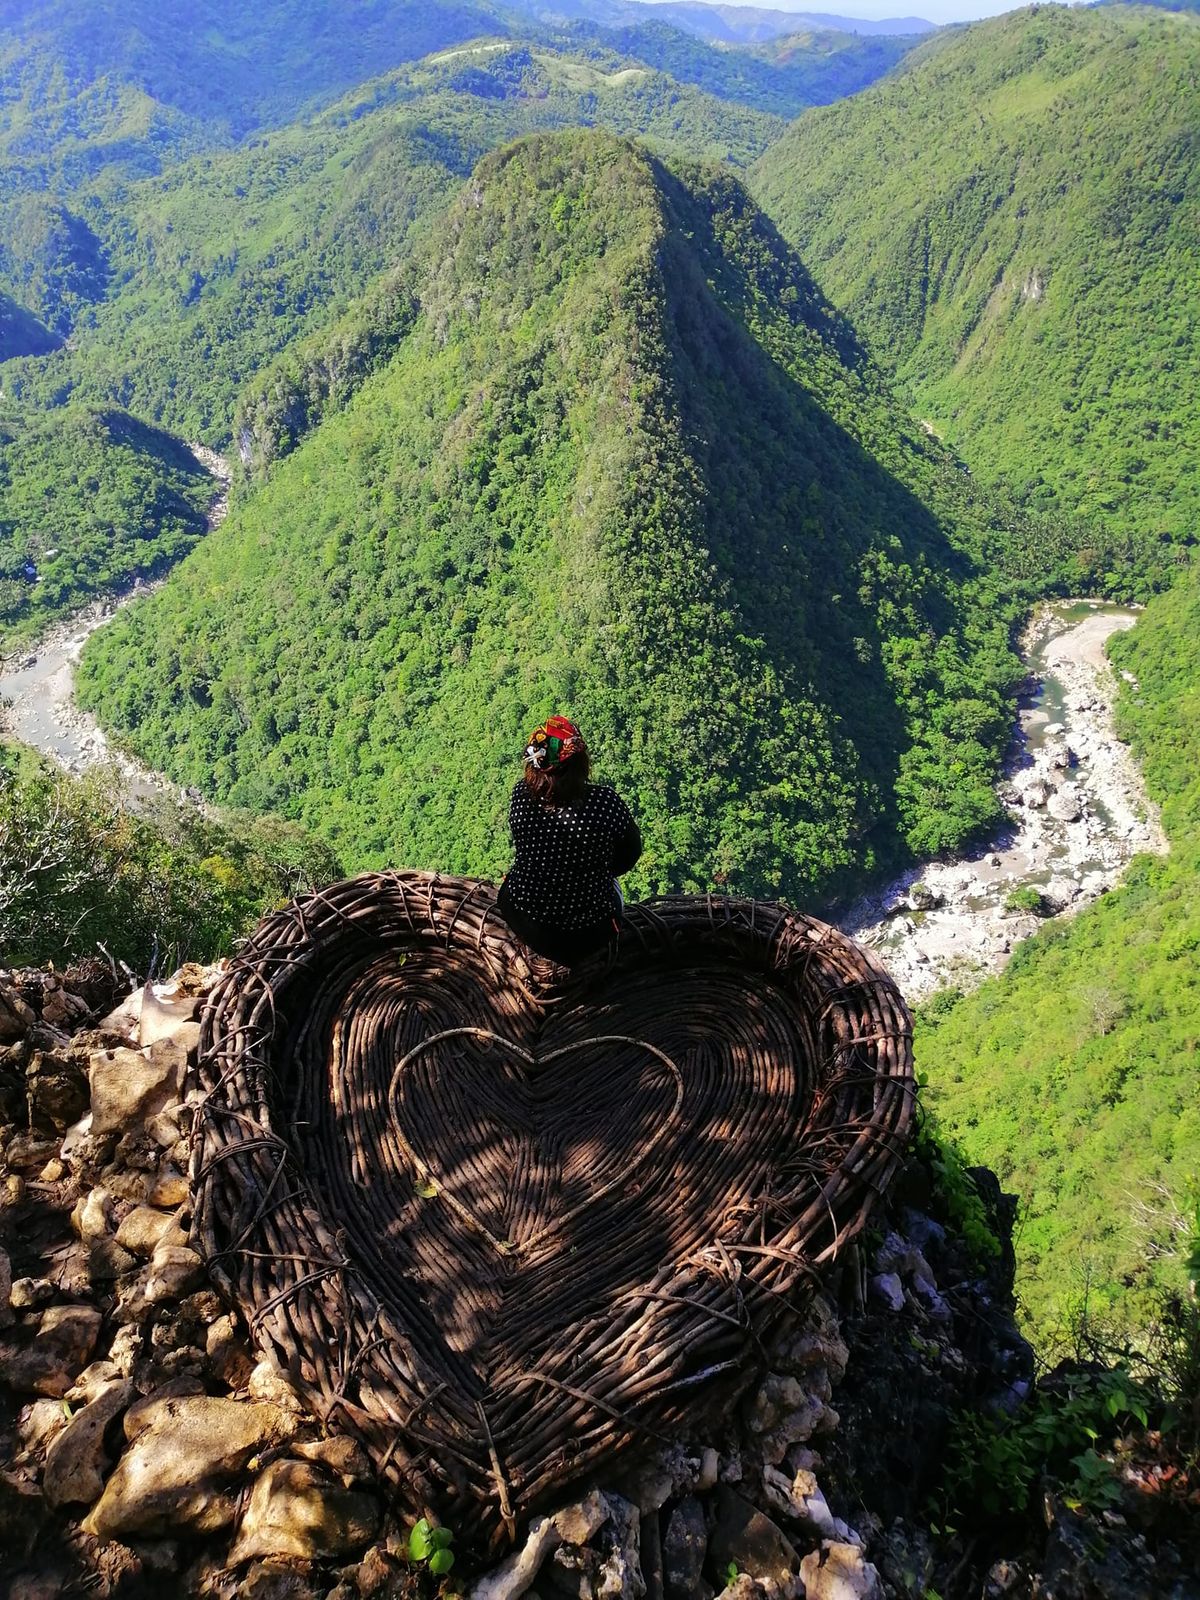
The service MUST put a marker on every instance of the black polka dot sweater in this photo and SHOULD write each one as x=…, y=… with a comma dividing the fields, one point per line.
x=567, y=856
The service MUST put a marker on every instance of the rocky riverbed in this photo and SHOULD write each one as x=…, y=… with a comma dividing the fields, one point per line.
x=37, y=703
x=1079, y=811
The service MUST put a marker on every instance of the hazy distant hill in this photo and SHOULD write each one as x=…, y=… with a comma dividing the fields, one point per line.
x=727, y=24
x=621, y=457
x=210, y=270
x=218, y=61
x=1011, y=219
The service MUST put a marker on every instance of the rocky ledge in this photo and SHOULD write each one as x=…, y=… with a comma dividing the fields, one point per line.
x=149, y=1450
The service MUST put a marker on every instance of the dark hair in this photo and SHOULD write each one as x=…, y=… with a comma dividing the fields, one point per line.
x=562, y=785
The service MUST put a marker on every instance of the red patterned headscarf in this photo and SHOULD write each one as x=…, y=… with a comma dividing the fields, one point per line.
x=553, y=743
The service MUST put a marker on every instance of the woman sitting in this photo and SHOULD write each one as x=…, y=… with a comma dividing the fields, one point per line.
x=572, y=840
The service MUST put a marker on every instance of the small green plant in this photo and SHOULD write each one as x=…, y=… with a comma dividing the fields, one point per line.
x=994, y=1463
x=957, y=1200
x=731, y=1573
x=1026, y=899
x=431, y=1547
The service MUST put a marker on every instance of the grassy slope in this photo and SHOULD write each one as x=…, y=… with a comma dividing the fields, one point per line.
x=1074, y=1074
x=1012, y=218
x=624, y=460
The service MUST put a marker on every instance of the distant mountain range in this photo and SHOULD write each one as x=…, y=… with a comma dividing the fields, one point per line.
x=725, y=24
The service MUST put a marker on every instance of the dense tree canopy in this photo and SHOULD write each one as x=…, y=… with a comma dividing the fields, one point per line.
x=627, y=460
x=1011, y=218
x=89, y=501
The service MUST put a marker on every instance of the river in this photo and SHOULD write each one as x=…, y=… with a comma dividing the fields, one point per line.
x=1079, y=810
x=1079, y=807
x=37, y=703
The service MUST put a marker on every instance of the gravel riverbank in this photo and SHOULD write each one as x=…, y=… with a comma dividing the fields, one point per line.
x=1079, y=810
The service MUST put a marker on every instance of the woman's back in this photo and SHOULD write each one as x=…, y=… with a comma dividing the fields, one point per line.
x=571, y=839
x=564, y=868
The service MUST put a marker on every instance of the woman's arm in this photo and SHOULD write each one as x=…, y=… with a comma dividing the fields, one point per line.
x=627, y=849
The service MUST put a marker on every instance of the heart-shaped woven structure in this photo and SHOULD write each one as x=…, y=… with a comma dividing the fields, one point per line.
x=505, y=1222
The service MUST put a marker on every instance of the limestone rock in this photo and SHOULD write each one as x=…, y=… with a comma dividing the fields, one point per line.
x=620, y=1575
x=746, y=1537
x=174, y=1271
x=802, y=1499
x=572, y=1525
x=297, y=1510
x=92, y=1381
x=267, y=1383
x=228, y=1353
x=62, y=1009
x=145, y=1228
x=91, y=1214
x=339, y=1454
x=276, y=1580
x=39, y=1424
x=107, y=1261
x=838, y=1572
x=173, y=1474
x=130, y=1086
x=77, y=1460
x=6, y=1283
x=57, y=1089
x=787, y=1412
x=743, y=1587
x=16, y=1018
x=684, y=1546
x=516, y=1573
x=27, y=1294
x=65, y=1340
x=1066, y=803
x=888, y=1290
x=577, y=1523
x=169, y=1189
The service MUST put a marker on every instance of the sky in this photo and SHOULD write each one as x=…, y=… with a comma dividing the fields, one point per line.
x=874, y=10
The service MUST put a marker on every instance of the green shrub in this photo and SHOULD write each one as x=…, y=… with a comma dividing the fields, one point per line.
x=79, y=869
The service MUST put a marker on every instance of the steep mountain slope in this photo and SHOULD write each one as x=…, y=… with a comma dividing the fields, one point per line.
x=1012, y=218
x=21, y=334
x=625, y=460
x=89, y=501
x=190, y=305
x=1074, y=1074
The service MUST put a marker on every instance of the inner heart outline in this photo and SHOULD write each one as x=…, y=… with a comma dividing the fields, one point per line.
x=542, y=1058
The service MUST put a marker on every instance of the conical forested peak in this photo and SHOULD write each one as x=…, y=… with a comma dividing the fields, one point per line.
x=618, y=458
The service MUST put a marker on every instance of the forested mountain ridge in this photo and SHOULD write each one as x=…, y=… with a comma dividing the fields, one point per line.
x=90, y=501
x=1011, y=218
x=628, y=460
x=225, y=67
x=724, y=24
x=1074, y=1074
x=188, y=310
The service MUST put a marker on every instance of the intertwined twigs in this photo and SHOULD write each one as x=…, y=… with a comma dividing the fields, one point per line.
x=503, y=1221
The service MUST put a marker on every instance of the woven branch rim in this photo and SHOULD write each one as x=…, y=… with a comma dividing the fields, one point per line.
x=677, y=1345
